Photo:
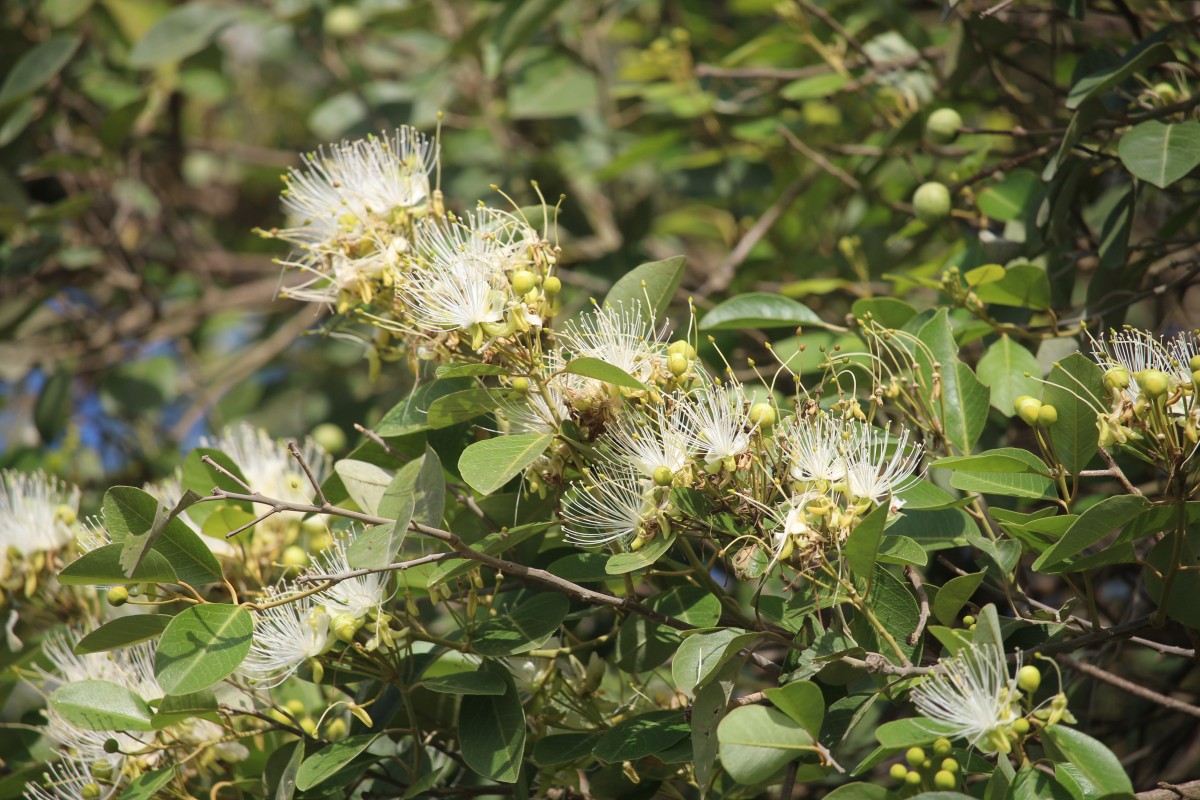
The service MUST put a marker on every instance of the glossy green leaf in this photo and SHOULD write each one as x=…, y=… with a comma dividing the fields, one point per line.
x=148, y=785
x=603, y=371
x=177, y=708
x=642, y=735
x=702, y=654
x=1001, y=459
x=183, y=31
x=962, y=405
x=1092, y=526
x=1093, y=766
x=326, y=762
x=1023, y=286
x=491, y=463
x=1159, y=153
x=146, y=525
x=563, y=748
x=654, y=283
x=411, y=415
x=365, y=482
x=901, y=550
x=1073, y=380
x=202, y=645
x=461, y=683
x=1010, y=198
x=524, y=627
x=36, y=67
x=491, y=729
x=710, y=707
x=757, y=742
x=468, y=404
x=803, y=702
x=1002, y=369
x=911, y=731
x=102, y=567
x=101, y=706
x=123, y=632
x=623, y=563
x=758, y=310
x=862, y=544
x=1145, y=54
x=953, y=595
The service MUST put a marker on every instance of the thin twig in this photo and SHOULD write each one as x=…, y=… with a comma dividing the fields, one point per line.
x=338, y=577
x=295, y=451
x=377, y=439
x=209, y=461
x=1129, y=686
x=914, y=578
x=1117, y=473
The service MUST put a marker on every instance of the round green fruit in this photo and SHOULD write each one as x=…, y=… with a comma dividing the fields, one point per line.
x=552, y=286
x=915, y=756
x=118, y=596
x=343, y=22
x=898, y=772
x=944, y=780
x=943, y=125
x=931, y=202
x=1154, y=383
x=1047, y=415
x=762, y=415
x=1029, y=678
x=331, y=437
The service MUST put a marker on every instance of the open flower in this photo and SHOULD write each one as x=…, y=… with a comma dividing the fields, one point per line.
x=719, y=423
x=648, y=443
x=37, y=512
x=72, y=779
x=1132, y=351
x=618, y=334
x=814, y=449
x=878, y=465
x=609, y=506
x=355, y=596
x=454, y=296
x=285, y=636
x=974, y=696
x=268, y=466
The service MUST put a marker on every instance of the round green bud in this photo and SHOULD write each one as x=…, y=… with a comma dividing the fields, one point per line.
x=950, y=765
x=762, y=415
x=90, y=791
x=343, y=21
x=294, y=707
x=552, y=286
x=1029, y=678
x=1166, y=92
x=1047, y=415
x=1021, y=726
x=683, y=348
x=344, y=626
x=309, y=726
x=523, y=282
x=971, y=627
x=914, y=756
x=1194, y=364
x=1154, y=383
x=927, y=764
x=931, y=202
x=1029, y=412
x=677, y=364
x=111, y=745
x=944, y=779
x=943, y=125
x=336, y=729
x=898, y=772
x=968, y=620
x=118, y=596
x=663, y=476
x=331, y=437
x=1026, y=401
x=521, y=384
x=1196, y=377
x=295, y=556
x=942, y=748
x=913, y=779
x=1116, y=378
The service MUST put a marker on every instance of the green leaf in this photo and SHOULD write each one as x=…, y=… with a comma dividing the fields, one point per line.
x=101, y=706
x=365, y=482
x=479, y=682
x=1074, y=436
x=642, y=735
x=418, y=480
x=551, y=85
x=603, y=371
x=525, y=627
x=1010, y=198
x=953, y=595
x=817, y=87
x=562, y=748
x=36, y=67
x=202, y=645
x=702, y=654
x=1145, y=54
x=1094, y=767
x=488, y=465
x=102, y=567
x=491, y=729
x=901, y=550
x=176, y=708
x=517, y=23
x=887, y=311
x=468, y=370
x=410, y=415
x=1161, y=154
x=429, y=490
x=896, y=609
x=53, y=409
x=963, y=402
x=757, y=742
x=183, y=31
x=1090, y=527
x=623, y=563
x=201, y=478
x=862, y=545
x=146, y=525
x=655, y=283
x=1023, y=286
x=1002, y=459
x=468, y=404
x=123, y=632
x=1002, y=369
x=326, y=762
x=803, y=702
x=148, y=785
x=758, y=310
x=902, y=733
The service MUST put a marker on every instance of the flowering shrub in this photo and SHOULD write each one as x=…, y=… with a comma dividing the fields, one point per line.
x=615, y=541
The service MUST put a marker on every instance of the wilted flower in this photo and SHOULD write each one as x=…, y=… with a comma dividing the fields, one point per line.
x=285, y=636
x=37, y=512
x=974, y=697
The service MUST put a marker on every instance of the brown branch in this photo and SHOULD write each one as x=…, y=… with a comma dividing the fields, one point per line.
x=1172, y=791
x=914, y=578
x=295, y=451
x=1129, y=686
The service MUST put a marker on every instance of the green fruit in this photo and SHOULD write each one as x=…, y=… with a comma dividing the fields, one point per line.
x=1196, y=377
x=943, y=125
x=1116, y=378
x=1021, y=726
x=762, y=415
x=118, y=596
x=898, y=772
x=915, y=756
x=295, y=556
x=90, y=791
x=1029, y=678
x=1047, y=415
x=111, y=745
x=343, y=21
x=1194, y=364
x=523, y=282
x=663, y=476
x=913, y=779
x=1029, y=409
x=931, y=202
x=331, y=437
x=1154, y=383
x=520, y=384
x=944, y=780
x=551, y=286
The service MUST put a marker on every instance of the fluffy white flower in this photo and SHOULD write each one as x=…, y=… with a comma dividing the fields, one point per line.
x=455, y=296
x=70, y=779
x=647, y=442
x=285, y=636
x=719, y=422
x=873, y=474
x=37, y=512
x=1133, y=350
x=610, y=506
x=617, y=334
x=356, y=596
x=489, y=240
x=974, y=696
x=268, y=466
x=814, y=449
x=539, y=411
x=1182, y=348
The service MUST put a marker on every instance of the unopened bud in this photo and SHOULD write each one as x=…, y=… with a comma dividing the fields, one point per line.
x=1047, y=415
x=1116, y=378
x=118, y=596
x=762, y=415
x=551, y=286
x=663, y=476
x=1154, y=383
x=677, y=364
x=520, y=384
x=523, y=282
x=345, y=626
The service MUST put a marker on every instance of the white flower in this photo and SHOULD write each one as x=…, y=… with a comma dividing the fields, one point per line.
x=619, y=335
x=491, y=241
x=285, y=636
x=814, y=449
x=719, y=422
x=871, y=474
x=70, y=779
x=1182, y=348
x=539, y=411
x=454, y=296
x=647, y=442
x=1133, y=350
x=355, y=596
x=37, y=512
x=974, y=696
x=608, y=507
x=355, y=183
x=269, y=468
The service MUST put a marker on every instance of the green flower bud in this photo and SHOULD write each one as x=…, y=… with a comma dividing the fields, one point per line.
x=968, y=620
x=345, y=626
x=677, y=364
x=913, y=779
x=931, y=202
x=1029, y=678
x=118, y=596
x=950, y=765
x=942, y=748
x=1194, y=364
x=1027, y=408
x=1047, y=415
x=551, y=286
x=343, y=21
x=944, y=780
x=331, y=437
x=523, y=282
x=294, y=707
x=898, y=772
x=943, y=125
x=663, y=476
x=1116, y=378
x=295, y=556
x=1021, y=726
x=914, y=756
x=90, y=791
x=111, y=745
x=1166, y=92
x=1196, y=377
x=309, y=726
x=683, y=348
x=1154, y=383
x=337, y=729
x=520, y=384
x=762, y=415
